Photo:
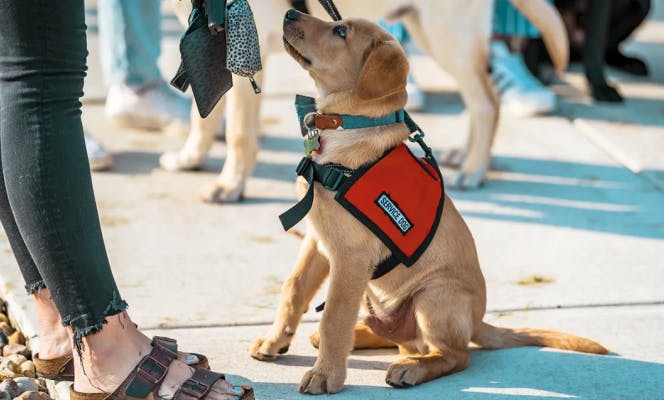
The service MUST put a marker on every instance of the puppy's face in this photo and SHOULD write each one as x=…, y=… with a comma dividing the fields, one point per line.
x=349, y=55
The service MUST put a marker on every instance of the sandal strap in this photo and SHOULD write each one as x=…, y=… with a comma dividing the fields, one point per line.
x=150, y=371
x=198, y=386
x=166, y=342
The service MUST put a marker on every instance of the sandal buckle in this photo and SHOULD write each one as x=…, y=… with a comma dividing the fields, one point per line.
x=152, y=370
x=194, y=388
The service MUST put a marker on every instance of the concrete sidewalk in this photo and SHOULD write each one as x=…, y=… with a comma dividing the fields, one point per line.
x=576, y=197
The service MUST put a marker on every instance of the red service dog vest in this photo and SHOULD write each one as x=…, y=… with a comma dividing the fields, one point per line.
x=399, y=198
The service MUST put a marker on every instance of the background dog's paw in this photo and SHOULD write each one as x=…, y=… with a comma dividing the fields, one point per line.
x=405, y=373
x=604, y=92
x=174, y=161
x=317, y=381
x=218, y=193
x=463, y=181
x=451, y=157
x=314, y=339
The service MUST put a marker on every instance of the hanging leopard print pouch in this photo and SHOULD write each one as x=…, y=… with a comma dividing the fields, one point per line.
x=243, y=54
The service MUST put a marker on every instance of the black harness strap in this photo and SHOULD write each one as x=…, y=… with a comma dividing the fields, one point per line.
x=331, y=176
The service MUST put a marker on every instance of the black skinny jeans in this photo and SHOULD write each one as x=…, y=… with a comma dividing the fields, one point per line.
x=47, y=205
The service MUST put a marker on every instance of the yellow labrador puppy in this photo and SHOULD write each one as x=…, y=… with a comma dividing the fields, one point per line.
x=454, y=32
x=433, y=309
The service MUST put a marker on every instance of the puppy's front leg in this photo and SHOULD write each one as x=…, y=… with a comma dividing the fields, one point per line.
x=349, y=279
x=309, y=273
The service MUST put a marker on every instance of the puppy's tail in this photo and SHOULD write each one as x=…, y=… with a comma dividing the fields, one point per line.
x=491, y=337
x=549, y=22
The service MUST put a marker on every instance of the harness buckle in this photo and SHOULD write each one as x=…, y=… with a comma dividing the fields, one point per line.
x=332, y=179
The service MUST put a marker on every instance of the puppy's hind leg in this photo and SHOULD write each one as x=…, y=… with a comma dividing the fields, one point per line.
x=242, y=124
x=364, y=338
x=444, y=334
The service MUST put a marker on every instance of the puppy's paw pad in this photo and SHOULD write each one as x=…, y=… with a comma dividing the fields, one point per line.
x=219, y=194
x=317, y=382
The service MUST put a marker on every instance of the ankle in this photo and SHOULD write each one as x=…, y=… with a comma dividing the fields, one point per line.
x=108, y=356
x=54, y=341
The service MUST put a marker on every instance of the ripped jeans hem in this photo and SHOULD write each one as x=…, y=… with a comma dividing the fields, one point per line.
x=86, y=324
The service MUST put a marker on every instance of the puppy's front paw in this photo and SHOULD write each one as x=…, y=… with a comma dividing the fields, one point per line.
x=174, y=161
x=264, y=349
x=220, y=193
x=322, y=380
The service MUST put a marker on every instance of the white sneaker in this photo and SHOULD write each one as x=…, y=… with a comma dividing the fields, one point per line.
x=98, y=157
x=151, y=107
x=520, y=93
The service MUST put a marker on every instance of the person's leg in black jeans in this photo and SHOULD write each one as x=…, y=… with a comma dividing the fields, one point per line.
x=47, y=201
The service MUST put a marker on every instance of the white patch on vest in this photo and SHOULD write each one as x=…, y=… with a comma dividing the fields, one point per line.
x=395, y=214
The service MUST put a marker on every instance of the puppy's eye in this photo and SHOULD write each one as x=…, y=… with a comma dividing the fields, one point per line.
x=340, y=31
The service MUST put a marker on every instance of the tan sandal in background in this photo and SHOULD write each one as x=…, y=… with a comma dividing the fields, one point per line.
x=62, y=368
x=144, y=380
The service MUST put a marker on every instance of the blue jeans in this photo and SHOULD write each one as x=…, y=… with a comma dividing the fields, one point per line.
x=130, y=41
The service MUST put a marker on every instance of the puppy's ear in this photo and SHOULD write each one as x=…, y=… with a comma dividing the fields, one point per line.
x=384, y=72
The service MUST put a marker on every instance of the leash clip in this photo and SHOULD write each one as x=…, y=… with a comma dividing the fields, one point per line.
x=419, y=139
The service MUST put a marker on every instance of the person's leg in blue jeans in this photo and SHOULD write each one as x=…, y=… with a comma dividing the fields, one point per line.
x=47, y=204
x=130, y=43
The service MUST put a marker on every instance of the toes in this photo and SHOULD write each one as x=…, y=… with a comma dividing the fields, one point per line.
x=403, y=374
x=260, y=350
x=317, y=382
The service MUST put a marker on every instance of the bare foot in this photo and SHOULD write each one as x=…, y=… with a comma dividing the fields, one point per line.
x=110, y=355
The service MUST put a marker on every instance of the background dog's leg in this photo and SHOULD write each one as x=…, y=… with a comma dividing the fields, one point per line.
x=364, y=338
x=445, y=333
x=198, y=144
x=242, y=124
x=595, y=47
x=483, y=107
x=309, y=273
x=348, y=281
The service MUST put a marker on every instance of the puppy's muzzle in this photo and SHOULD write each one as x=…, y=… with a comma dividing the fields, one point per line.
x=291, y=16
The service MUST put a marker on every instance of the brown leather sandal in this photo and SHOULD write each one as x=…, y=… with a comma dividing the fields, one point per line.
x=144, y=381
x=62, y=368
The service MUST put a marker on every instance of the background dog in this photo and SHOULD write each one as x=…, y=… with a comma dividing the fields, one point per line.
x=455, y=33
x=431, y=310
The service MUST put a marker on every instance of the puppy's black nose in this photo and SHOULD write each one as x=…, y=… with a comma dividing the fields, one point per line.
x=292, y=15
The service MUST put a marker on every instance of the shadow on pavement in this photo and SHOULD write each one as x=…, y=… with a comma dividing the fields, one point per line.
x=523, y=373
x=569, y=194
